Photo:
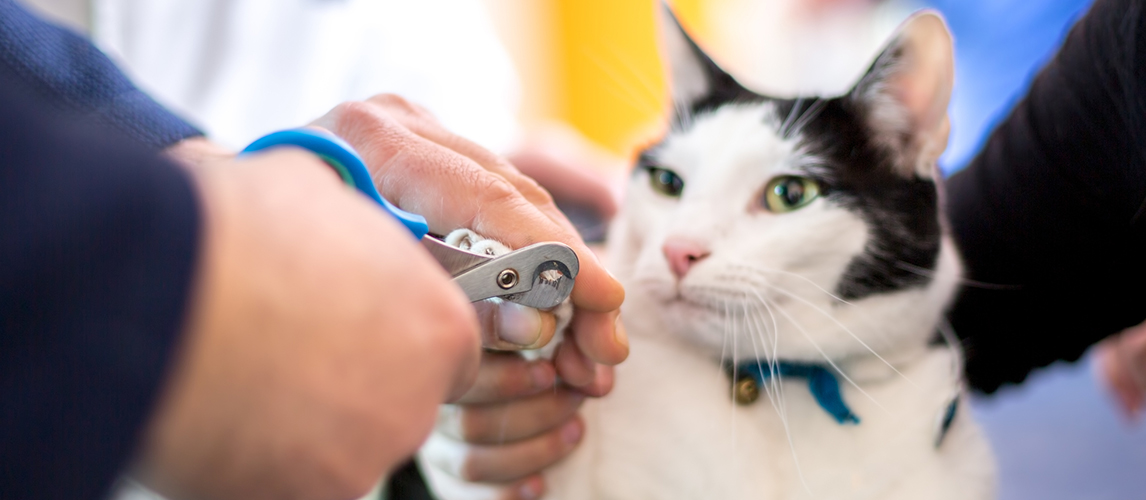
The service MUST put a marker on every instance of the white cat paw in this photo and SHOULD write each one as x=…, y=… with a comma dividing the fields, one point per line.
x=471, y=241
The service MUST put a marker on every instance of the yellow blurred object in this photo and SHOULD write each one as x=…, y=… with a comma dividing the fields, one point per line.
x=613, y=87
x=594, y=64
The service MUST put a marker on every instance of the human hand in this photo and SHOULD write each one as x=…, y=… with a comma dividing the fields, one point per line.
x=512, y=423
x=1122, y=367
x=579, y=174
x=454, y=183
x=320, y=343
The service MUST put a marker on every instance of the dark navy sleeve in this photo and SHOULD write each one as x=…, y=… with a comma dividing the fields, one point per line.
x=70, y=72
x=98, y=244
x=1051, y=216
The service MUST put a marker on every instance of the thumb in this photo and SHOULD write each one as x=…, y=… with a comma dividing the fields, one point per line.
x=509, y=326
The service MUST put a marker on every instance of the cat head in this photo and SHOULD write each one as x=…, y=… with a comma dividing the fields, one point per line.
x=797, y=228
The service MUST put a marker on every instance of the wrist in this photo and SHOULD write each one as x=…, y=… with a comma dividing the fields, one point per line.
x=196, y=151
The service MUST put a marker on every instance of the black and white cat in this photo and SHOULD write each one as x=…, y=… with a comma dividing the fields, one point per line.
x=787, y=268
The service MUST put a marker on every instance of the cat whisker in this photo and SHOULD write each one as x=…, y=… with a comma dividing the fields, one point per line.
x=807, y=116
x=765, y=283
x=930, y=273
x=829, y=316
x=775, y=395
x=759, y=270
x=845, y=329
x=827, y=358
x=792, y=113
x=774, y=376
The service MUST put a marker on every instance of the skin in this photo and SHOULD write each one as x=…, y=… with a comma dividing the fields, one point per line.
x=1122, y=367
x=422, y=168
x=284, y=386
x=399, y=140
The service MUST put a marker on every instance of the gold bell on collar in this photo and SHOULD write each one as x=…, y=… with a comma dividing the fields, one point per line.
x=745, y=391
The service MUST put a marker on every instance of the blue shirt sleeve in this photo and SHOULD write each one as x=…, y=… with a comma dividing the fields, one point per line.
x=72, y=74
x=98, y=245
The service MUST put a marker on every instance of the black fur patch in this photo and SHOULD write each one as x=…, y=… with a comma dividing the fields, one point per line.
x=859, y=173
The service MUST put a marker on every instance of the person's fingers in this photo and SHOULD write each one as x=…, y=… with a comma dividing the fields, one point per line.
x=599, y=291
x=567, y=183
x=602, y=383
x=509, y=462
x=498, y=424
x=507, y=377
x=530, y=488
x=503, y=463
x=476, y=190
x=508, y=326
x=574, y=368
x=1121, y=386
x=601, y=336
x=448, y=485
x=1117, y=369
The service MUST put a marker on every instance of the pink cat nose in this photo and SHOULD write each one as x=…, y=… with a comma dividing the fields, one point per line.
x=683, y=254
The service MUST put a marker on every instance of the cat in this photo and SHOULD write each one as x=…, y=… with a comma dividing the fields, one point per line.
x=787, y=268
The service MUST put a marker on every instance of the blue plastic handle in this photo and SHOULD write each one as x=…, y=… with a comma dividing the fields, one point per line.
x=345, y=160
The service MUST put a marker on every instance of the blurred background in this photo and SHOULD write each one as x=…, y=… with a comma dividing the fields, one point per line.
x=584, y=75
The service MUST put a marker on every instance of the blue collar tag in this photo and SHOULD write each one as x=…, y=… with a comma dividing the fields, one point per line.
x=821, y=381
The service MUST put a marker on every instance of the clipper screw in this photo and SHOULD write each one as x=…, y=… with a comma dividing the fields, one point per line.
x=507, y=279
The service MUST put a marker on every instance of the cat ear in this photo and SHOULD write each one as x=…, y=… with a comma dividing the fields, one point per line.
x=693, y=76
x=907, y=91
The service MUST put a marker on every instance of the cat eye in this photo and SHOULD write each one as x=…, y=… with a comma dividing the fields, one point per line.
x=789, y=192
x=665, y=181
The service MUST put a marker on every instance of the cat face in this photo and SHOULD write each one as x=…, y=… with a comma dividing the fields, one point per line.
x=795, y=228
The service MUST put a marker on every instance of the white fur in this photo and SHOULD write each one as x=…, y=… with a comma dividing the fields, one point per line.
x=670, y=429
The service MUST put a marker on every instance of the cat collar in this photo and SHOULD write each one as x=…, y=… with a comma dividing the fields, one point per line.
x=749, y=376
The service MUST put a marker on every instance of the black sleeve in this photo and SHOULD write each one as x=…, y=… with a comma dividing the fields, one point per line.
x=69, y=72
x=1051, y=216
x=98, y=239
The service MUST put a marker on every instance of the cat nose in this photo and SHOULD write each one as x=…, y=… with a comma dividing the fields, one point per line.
x=683, y=254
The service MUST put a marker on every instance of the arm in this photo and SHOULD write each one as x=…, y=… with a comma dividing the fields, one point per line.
x=1051, y=216
x=238, y=321
x=67, y=70
x=97, y=253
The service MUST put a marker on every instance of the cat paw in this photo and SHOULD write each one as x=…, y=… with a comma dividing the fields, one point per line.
x=471, y=241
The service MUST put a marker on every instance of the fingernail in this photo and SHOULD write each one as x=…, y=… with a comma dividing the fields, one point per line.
x=571, y=434
x=529, y=491
x=517, y=324
x=541, y=376
x=619, y=333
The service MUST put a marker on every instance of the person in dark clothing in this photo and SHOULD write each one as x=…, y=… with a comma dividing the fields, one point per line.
x=232, y=327
x=1051, y=215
